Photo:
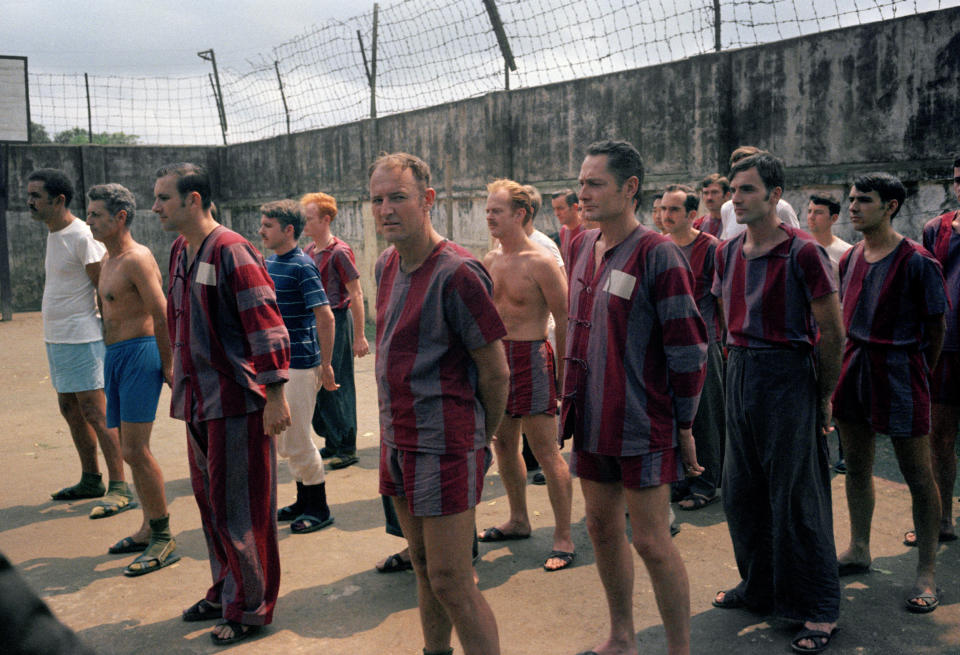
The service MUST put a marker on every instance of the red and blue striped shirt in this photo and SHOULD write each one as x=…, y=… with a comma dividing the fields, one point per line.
x=337, y=266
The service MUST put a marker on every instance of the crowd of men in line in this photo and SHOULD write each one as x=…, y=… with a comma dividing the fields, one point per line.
x=679, y=352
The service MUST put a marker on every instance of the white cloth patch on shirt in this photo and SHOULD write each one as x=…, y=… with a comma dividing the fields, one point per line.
x=620, y=284
x=206, y=274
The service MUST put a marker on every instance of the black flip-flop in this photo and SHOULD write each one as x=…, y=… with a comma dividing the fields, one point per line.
x=240, y=632
x=932, y=598
x=565, y=556
x=202, y=610
x=496, y=534
x=395, y=564
x=817, y=636
x=306, y=523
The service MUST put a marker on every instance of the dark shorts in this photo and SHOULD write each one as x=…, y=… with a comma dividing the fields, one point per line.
x=636, y=472
x=533, y=386
x=434, y=485
x=133, y=380
x=888, y=388
x=945, y=380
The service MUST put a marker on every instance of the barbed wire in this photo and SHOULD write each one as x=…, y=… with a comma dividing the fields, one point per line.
x=429, y=53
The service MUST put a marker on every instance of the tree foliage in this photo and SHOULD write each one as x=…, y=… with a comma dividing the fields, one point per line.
x=78, y=136
x=38, y=133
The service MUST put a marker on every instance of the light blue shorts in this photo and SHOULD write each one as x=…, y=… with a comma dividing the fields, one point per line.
x=76, y=366
x=134, y=379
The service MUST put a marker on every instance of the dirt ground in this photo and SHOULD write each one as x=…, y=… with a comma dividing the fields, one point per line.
x=331, y=599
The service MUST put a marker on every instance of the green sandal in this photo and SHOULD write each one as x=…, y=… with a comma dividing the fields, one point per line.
x=159, y=554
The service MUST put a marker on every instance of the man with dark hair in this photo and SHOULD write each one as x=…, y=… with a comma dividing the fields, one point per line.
x=655, y=213
x=732, y=227
x=310, y=324
x=893, y=308
x=231, y=353
x=941, y=236
x=138, y=360
x=335, y=413
x=566, y=207
x=435, y=322
x=777, y=289
x=822, y=213
x=74, y=340
x=630, y=391
x=714, y=191
x=528, y=286
x=678, y=209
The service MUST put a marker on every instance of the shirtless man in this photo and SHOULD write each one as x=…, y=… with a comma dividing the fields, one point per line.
x=527, y=287
x=137, y=363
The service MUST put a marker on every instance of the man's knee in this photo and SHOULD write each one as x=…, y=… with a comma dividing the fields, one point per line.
x=652, y=546
x=92, y=409
x=135, y=452
x=69, y=406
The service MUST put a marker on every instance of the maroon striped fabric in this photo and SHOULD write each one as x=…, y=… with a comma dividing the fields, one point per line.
x=337, y=266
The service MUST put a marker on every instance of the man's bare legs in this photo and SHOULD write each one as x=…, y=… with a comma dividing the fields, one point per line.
x=650, y=523
x=943, y=438
x=913, y=456
x=147, y=476
x=93, y=408
x=84, y=438
x=541, y=435
x=440, y=549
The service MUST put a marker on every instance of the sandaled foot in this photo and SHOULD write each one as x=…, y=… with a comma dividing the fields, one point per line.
x=910, y=538
x=119, y=498
x=395, y=563
x=558, y=560
x=923, y=602
x=90, y=486
x=288, y=513
x=818, y=638
x=697, y=501
x=159, y=554
x=496, y=534
x=308, y=523
x=202, y=610
x=128, y=545
x=729, y=599
x=230, y=632
x=342, y=461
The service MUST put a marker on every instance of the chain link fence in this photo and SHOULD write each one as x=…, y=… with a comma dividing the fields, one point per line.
x=420, y=53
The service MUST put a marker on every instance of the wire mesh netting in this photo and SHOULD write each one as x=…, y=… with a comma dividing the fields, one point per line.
x=427, y=53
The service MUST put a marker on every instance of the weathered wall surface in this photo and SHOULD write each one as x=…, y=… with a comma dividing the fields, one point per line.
x=884, y=96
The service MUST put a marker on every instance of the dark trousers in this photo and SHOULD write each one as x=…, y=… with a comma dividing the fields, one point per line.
x=709, y=426
x=776, y=486
x=335, y=414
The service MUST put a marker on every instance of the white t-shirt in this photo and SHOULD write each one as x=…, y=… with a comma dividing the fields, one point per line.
x=835, y=251
x=543, y=240
x=69, y=300
x=731, y=228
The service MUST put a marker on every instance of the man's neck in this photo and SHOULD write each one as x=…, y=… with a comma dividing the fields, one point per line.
x=574, y=224
x=715, y=213
x=880, y=241
x=415, y=250
x=684, y=237
x=119, y=243
x=323, y=239
x=514, y=241
x=825, y=239
x=285, y=248
x=61, y=221
x=764, y=233
x=195, y=233
x=615, y=230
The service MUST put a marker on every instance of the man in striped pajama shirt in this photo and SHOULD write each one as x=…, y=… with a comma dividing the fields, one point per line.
x=231, y=355
x=635, y=365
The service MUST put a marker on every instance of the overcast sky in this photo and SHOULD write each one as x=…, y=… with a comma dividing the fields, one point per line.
x=133, y=37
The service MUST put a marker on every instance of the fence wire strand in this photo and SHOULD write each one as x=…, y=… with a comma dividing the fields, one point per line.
x=430, y=52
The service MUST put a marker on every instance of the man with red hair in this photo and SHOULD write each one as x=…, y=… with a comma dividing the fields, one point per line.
x=335, y=415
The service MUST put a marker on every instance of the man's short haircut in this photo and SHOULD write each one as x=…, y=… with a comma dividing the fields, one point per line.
x=115, y=197
x=285, y=212
x=741, y=153
x=831, y=203
x=403, y=161
x=519, y=195
x=769, y=168
x=623, y=161
x=536, y=201
x=326, y=204
x=190, y=178
x=55, y=183
x=956, y=162
x=658, y=196
x=691, y=201
x=716, y=178
x=569, y=195
x=887, y=187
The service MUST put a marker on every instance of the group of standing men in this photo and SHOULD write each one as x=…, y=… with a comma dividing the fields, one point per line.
x=463, y=361
x=231, y=333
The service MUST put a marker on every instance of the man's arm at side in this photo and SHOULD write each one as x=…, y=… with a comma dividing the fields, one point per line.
x=934, y=328
x=276, y=413
x=144, y=274
x=325, y=335
x=493, y=378
x=826, y=311
x=360, y=345
x=553, y=285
